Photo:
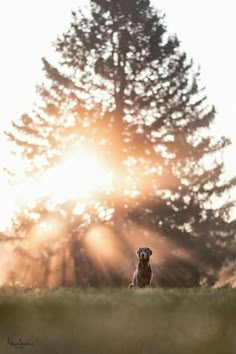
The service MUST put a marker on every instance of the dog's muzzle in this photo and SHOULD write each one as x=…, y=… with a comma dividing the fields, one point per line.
x=143, y=255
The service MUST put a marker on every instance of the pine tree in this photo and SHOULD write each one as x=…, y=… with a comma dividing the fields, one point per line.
x=124, y=89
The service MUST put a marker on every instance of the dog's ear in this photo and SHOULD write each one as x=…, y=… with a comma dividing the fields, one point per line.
x=150, y=251
x=138, y=251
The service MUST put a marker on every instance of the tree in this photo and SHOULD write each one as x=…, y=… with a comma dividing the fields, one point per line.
x=123, y=88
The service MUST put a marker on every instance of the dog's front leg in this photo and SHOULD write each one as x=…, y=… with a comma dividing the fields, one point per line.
x=135, y=279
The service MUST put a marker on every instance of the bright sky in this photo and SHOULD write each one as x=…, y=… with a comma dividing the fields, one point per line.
x=206, y=28
x=207, y=31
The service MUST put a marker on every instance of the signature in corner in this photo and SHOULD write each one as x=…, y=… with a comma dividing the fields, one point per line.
x=19, y=342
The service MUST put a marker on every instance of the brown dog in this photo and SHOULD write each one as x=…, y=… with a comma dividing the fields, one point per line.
x=143, y=273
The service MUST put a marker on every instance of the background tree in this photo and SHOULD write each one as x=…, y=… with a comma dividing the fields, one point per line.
x=123, y=89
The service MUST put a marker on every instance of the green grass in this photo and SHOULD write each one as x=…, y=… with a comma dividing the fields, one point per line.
x=117, y=321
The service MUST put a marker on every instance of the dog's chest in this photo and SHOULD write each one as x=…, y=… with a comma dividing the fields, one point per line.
x=144, y=274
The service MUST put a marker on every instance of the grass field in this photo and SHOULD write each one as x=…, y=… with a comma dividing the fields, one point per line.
x=116, y=321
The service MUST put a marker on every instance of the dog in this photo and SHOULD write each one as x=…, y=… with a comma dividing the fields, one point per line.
x=143, y=273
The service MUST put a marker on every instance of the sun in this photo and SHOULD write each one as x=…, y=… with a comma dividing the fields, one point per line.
x=80, y=175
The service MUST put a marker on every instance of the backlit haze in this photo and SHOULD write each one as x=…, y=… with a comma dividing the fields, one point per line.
x=27, y=29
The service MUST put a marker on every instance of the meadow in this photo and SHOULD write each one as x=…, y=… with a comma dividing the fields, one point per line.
x=117, y=321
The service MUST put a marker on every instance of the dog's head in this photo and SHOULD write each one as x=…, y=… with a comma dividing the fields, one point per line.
x=144, y=253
